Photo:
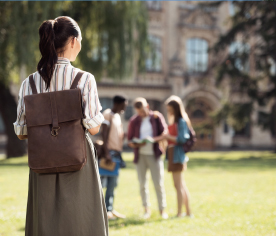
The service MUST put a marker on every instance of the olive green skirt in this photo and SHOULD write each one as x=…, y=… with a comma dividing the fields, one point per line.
x=67, y=204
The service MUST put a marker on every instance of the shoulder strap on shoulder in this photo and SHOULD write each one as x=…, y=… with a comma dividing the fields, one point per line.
x=31, y=81
x=76, y=80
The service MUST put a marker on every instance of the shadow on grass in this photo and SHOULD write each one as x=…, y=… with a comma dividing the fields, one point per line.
x=131, y=221
x=21, y=229
x=120, y=223
x=5, y=163
x=219, y=161
x=250, y=162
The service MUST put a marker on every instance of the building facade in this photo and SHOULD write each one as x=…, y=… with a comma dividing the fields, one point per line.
x=181, y=33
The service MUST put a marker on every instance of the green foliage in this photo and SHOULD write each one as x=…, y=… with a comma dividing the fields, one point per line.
x=111, y=31
x=19, y=35
x=254, y=23
x=236, y=115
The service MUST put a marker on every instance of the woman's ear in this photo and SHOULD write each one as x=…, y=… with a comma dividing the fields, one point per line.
x=73, y=42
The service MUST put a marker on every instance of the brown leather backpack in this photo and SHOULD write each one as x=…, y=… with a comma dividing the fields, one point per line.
x=56, y=136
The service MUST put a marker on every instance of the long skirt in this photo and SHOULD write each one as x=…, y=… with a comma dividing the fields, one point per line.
x=67, y=204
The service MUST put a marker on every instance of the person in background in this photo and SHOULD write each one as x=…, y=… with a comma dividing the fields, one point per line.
x=113, y=136
x=179, y=124
x=147, y=155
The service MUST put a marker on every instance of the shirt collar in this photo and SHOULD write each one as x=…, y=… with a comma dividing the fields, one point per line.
x=63, y=61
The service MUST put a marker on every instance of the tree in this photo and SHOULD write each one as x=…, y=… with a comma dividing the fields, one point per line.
x=246, y=55
x=112, y=32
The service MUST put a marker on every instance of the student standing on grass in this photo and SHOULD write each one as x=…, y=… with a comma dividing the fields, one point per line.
x=178, y=134
x=64, y=203
x=113, y=137
x=146, y=155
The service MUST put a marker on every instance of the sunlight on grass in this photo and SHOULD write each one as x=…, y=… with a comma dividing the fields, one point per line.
x=233, y=193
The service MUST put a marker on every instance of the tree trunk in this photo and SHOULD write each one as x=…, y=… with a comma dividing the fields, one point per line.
x=8, y=110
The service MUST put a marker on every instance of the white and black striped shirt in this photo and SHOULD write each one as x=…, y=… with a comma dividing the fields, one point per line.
x=63, y=76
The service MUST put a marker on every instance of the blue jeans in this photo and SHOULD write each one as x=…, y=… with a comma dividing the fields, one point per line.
x=110, y=183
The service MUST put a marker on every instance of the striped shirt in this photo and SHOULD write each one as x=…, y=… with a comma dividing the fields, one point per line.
x=63, y=76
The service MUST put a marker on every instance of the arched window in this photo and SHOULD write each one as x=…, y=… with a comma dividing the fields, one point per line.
x=198, y=114
x=154, y=57
x=196, y=55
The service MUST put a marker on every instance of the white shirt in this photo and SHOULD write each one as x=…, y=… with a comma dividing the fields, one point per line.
x=63, y=76
x=116, y=133
x=146, y=131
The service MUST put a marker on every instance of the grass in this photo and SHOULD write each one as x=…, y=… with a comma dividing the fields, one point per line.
x=233, y=193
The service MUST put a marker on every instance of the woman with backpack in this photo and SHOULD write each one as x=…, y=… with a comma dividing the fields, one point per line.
x=178, y=134
x=67, y=203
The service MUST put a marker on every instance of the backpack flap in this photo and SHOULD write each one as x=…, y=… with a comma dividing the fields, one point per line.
x=41, y=108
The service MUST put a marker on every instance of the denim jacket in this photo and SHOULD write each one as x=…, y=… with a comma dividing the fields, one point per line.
x=182, y=136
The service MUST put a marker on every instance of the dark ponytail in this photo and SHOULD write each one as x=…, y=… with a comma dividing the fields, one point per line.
x=54, y=35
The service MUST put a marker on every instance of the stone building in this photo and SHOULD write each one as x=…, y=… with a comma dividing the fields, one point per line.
x=181, y=33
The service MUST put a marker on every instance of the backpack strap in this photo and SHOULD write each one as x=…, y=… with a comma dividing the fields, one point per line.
x=76, y=80
x=31, y=81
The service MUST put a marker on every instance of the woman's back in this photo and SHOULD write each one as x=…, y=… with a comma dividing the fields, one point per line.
x=63, y=76
x=70, y=203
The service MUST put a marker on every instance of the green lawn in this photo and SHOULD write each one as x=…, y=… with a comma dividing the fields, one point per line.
x=233, y=193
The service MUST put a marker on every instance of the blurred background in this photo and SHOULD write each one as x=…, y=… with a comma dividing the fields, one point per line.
x=218, y=57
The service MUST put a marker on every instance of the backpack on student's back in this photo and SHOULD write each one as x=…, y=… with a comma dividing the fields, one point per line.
x=188, y=145
x=56, y=136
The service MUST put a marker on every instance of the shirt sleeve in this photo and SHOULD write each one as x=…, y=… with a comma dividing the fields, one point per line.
x=163, y=125
x=20, y=125
x=91, y=104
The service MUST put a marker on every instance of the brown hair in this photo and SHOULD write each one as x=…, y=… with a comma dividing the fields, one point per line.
x=179, y=112
x=140, y=102
x=54, y=35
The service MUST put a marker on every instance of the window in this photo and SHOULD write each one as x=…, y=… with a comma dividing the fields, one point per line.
x=154, y=58
x=154, y=5
x=106, y=103
x=128, y=112
x=225, y=128
x=154, y=105
x=240, y=52
x=196, y=55
x=198, y=114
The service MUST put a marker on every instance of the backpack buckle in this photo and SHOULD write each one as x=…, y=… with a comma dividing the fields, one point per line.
x=54, y=131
